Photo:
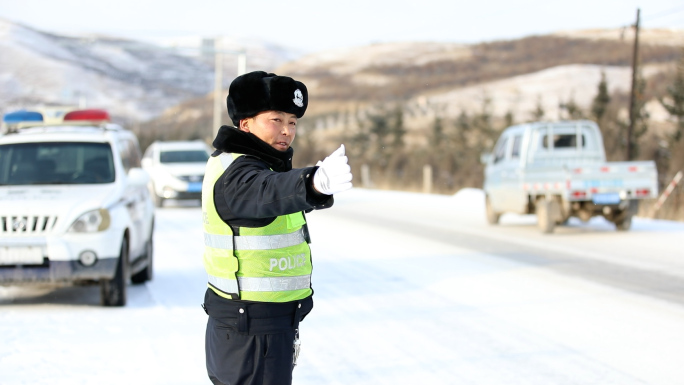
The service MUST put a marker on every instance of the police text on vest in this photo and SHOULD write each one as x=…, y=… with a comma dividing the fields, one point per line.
x=286, y=263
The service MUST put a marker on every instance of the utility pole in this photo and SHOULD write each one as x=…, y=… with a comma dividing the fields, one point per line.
x=218, y=51
x=218, y=86
x=632, y=98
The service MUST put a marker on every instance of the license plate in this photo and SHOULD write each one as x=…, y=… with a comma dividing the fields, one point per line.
x=21, y=255
x=606, y=199
x=194, y=187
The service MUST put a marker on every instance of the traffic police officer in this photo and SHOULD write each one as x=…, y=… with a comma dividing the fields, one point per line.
x=256, y=239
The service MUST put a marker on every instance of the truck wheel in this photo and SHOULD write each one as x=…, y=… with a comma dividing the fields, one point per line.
x=544, y=220
x=145, y=274
x=624, y=223
x=113, y=291
x=492, y=217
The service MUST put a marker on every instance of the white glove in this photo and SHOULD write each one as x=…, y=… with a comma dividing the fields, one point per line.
x=333, y=174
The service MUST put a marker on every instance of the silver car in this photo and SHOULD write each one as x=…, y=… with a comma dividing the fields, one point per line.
x=176, y=169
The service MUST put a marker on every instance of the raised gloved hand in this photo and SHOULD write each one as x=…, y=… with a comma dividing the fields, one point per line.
x=333, y=174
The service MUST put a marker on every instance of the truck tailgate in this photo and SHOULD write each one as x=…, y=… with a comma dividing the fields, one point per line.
x=609, y=183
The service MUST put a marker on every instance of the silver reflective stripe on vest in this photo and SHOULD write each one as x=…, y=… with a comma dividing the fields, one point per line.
x=254, y=242
x=223, y=284
x=218, y=241
x=226, y=159
x=275, y=283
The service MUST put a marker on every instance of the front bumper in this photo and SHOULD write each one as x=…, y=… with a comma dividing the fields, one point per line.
x=182, y=190
x=57, y=272
x=187, y=195
x=61, y=254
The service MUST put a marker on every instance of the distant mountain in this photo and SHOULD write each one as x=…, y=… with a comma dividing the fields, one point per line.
x=514, y=73
x=139, y=81
x=135, y=81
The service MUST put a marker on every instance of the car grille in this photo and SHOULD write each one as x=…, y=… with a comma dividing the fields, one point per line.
x=27, y=224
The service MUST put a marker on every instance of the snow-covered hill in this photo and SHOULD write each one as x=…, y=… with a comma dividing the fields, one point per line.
x=661, y=36
x=550, y=88
x=515, y=76
x=138, y=81
x=135, y=81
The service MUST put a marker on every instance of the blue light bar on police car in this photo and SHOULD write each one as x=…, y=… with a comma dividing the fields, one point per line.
x=22, y=116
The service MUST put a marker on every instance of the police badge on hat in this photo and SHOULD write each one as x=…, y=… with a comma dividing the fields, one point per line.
x=298, y=98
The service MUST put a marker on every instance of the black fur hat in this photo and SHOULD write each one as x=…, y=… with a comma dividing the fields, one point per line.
x=258, y=91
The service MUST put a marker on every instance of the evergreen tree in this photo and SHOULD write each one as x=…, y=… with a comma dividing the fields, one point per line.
x=538, y=112
x=509, y=119
x=483, y=120
x=482, y=123
x=676, y=95
x=641, y=116
x=460, y=146
x=573, y=111
x=437, y=132
x=462, y=127
x=360, y=141
x=379, y=130
x=601, y=100
x=397, y=128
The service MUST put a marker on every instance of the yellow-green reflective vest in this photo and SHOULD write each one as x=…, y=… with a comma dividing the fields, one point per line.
x=265, y=264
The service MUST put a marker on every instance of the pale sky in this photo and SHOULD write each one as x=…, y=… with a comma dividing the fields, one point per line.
x=317, y=25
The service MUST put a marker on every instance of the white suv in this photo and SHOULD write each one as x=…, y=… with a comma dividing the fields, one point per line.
x=74, y=204
x=176, y=169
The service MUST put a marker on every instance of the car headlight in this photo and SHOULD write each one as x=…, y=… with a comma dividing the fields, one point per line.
x=90, y=222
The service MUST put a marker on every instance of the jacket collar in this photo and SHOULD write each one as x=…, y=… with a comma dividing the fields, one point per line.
x=230, y=139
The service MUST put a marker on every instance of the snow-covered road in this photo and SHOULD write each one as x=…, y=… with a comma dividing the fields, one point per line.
x=409, y=288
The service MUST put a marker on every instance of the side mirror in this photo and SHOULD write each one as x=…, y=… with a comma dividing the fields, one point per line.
x=138, y=177
x=486, y=158
x=147, y=162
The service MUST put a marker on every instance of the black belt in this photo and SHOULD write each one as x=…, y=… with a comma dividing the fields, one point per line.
x=257, y=317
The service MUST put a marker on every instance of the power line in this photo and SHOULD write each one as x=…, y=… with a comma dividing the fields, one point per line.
x=669, y=12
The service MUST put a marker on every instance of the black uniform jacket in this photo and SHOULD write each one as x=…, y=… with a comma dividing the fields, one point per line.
x=262, y=185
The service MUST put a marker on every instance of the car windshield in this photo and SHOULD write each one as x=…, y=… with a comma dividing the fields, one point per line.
x=56, y=163
x=183, y=156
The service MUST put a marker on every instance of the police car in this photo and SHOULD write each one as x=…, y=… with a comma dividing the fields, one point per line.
x=74, y=204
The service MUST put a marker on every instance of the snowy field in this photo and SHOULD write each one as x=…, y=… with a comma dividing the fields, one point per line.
x=409, y=289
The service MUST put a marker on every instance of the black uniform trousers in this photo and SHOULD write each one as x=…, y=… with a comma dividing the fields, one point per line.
x=251, y=343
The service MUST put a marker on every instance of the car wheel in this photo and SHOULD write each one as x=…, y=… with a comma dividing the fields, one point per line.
x=113, y=291
x=624, y=223
x=145, y=274
x=492, y=217
x=544, y=219
x=158, y=201
x=563, y=221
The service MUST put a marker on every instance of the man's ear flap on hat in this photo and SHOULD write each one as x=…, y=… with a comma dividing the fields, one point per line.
x=231, y=108
x=247, y=96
